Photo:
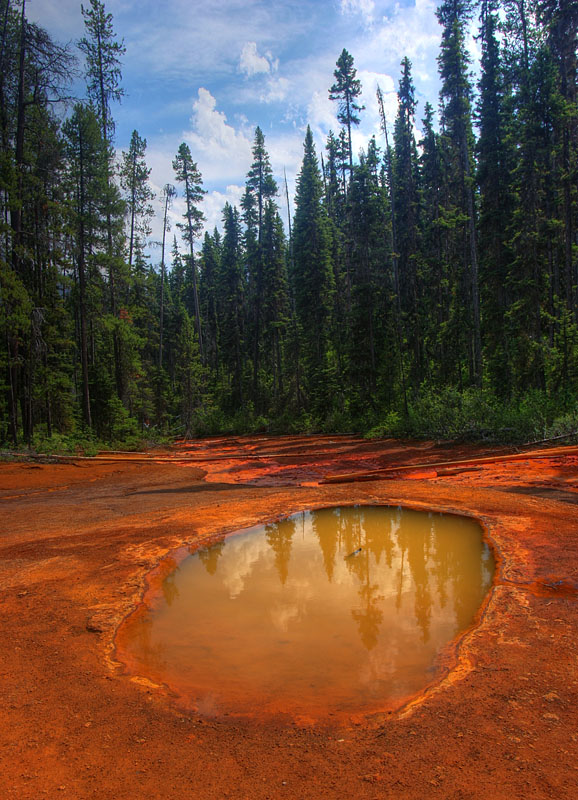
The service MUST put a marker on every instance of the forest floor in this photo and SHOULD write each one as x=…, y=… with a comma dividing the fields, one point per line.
x=77, y=540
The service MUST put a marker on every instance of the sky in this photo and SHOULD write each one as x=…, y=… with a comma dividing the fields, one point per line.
x=207, y=72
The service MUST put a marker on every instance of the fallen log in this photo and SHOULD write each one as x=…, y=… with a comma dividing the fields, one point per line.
x=434, y=466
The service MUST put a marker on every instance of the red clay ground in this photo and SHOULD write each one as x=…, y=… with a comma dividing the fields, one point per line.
x=77, y=541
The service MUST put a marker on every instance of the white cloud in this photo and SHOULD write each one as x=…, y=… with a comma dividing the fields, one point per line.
x=275, y=90
x=222, y=151
x=214, y=203
x=363, y=7
x=321, y=113
x=251, y=63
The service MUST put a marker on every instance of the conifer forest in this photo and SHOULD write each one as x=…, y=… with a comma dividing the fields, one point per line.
x=425, y=286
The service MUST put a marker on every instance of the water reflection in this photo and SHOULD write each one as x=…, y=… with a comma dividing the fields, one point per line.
x=284, y=613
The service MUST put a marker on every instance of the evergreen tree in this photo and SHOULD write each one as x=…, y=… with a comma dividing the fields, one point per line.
x=187, y=173
x=313, y=278
x=103, y=73
x=87, y=156
x=346, y=90
x=260, y=187
x=134, y=179
x=189, y=373
x=496, y=202
x=370, y=258
x=434, y=267
x=275, y=292
x=457, y=140
x=232, y=305
x=209, y=300
x=406, y=187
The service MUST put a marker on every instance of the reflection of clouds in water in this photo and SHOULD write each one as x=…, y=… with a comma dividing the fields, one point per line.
x=281, y=609
x=240, y=555
x=282, y=613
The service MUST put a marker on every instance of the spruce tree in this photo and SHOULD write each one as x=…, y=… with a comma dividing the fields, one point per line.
x=406, y=187
x=346, y=90
x=496, y=202
x=87, y=176
x=260, y=187
x=233, y=292
x=187, y=173
x=313, y=278
x=457, y=140
x=134, y=180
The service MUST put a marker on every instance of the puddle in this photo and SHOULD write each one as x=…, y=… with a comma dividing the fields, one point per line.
x=338, y=611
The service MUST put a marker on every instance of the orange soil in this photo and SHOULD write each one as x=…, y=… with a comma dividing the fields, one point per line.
x=77, y=541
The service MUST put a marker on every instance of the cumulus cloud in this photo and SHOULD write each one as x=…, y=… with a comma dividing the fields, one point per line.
x=214, y=203
x=224, y=151
x=251, y=63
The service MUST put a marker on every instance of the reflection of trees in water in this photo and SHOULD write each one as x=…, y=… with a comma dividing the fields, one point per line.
x=414, y=542
x=370, y=616
x=150, y=655
x=363, y=532
x=450, y=555
x=432, y=559
x=169, y=584
x=325, y=526
x=467, y=575
x=280, y=538
x=441, y=563
x=210, y=556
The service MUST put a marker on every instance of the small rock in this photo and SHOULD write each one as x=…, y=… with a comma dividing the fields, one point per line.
x=553, y=717
x=551, y=697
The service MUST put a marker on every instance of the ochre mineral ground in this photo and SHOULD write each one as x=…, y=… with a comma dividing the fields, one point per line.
x=78, y=540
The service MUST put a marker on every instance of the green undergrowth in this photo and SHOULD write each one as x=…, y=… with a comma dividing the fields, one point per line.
x=473, y=415
x=478, y=416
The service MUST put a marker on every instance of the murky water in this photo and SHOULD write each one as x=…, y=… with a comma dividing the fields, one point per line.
x=331, y=611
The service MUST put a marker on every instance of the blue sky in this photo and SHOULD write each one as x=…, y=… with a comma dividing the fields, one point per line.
x=209, y=72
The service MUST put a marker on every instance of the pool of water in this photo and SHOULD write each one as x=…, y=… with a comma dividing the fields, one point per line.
x=340, y=610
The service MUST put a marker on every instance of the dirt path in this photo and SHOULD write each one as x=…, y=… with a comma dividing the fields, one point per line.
x=77, y=541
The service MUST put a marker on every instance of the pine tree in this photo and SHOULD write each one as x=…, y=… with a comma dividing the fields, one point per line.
x=457, y=140
x=208, y=295
x=370, y=259
x=87, y=155
x=313, y=279
x=434, y=266
x=134, y=179
x=494, y=180
x=560, y=20
x=168, y=194
x=406, y=186
x=189, y=373
x=187, y=173
x=260, y=187
x=346, y=90
x=232, y=304
x=276, y=298
x=103, y=73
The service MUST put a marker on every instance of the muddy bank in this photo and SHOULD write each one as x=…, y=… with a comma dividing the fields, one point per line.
x=78, y=541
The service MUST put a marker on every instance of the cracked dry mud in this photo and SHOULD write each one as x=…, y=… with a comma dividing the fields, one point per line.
x=77, y=542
